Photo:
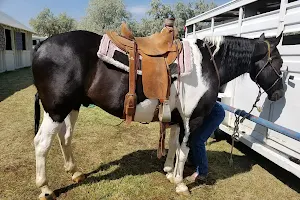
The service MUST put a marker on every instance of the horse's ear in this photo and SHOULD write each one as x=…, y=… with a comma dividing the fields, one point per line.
x=277, y=40
x=260, y=49
x=262, y=37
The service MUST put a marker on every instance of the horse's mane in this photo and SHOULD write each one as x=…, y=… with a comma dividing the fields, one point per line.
x=236, y=52
x=216, y=41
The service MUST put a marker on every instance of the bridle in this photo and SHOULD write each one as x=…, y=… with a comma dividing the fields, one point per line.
x=235, y=135
x=269, y=61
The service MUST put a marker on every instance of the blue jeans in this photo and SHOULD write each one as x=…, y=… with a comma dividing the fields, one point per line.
x=201, y=134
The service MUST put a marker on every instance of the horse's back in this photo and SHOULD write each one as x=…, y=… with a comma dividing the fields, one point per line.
x=74, y=43
x=59, y=67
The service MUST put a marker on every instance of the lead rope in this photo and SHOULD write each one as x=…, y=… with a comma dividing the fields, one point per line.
x=214, y=63
x=235, y=136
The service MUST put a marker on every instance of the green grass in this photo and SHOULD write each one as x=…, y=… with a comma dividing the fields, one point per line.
x=121, y=160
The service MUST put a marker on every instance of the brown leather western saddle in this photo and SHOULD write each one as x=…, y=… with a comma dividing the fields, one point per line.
x=158, y=51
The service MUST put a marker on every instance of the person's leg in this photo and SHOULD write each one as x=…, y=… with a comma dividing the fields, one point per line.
x=209, y=125
x=200, y=136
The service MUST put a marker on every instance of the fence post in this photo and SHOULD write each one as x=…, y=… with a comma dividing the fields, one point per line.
x=282, y=13
x=212, y=26
x=241, y=14
x=194, y=30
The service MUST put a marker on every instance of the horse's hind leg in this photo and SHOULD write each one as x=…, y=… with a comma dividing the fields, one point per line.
x=65, y=137
x=42, y=143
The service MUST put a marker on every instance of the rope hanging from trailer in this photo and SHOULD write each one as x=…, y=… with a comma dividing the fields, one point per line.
x=235, y=136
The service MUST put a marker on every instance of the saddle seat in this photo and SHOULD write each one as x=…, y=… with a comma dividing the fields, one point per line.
x=155, y=44
x=158, y=51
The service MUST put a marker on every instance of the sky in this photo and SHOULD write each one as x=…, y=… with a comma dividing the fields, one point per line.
x=24, y=10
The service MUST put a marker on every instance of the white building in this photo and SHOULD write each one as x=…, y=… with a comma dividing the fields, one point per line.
x=250, y=18
x=15, y=44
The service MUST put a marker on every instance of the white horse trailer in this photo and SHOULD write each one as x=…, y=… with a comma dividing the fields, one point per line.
x=250, y=18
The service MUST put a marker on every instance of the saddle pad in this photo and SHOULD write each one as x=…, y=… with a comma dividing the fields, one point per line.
x=108, y=49
x=184, y=60
x=106, y=52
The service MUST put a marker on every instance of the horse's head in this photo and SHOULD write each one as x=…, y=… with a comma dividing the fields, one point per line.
x=266, y=64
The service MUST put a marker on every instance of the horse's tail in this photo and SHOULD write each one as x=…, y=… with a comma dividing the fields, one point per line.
x=37, y=113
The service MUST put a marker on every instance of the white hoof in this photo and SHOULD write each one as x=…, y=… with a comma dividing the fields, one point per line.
x=170, y=177
x=78, y=177
x=182, y=189
x=47, y=194
x=168, y=169
x=178, y=180
x=48, y=197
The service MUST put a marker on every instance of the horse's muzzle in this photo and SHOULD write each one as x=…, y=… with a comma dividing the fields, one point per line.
x=278, y=94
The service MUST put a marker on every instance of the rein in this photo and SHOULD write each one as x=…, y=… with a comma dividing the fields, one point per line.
x=214, y=62
x=235, y=135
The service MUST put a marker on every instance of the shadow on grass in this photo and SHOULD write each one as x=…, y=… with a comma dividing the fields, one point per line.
x=145, y=162
x=281, y=174
x=14, y=81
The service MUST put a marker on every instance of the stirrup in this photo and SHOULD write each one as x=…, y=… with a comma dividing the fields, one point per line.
x=164, y=112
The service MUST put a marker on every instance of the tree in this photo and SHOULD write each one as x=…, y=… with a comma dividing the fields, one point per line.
x=155, y=19
x=47, y=24
x=158, y=12
x=104, y=15
x=184, y=12
x=200, y=7
x=65, y=23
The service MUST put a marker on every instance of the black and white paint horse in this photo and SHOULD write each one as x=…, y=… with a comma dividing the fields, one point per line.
x=68, y=73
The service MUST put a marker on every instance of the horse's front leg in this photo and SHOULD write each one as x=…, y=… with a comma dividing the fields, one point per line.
x=181, y=157
x=173, y=145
